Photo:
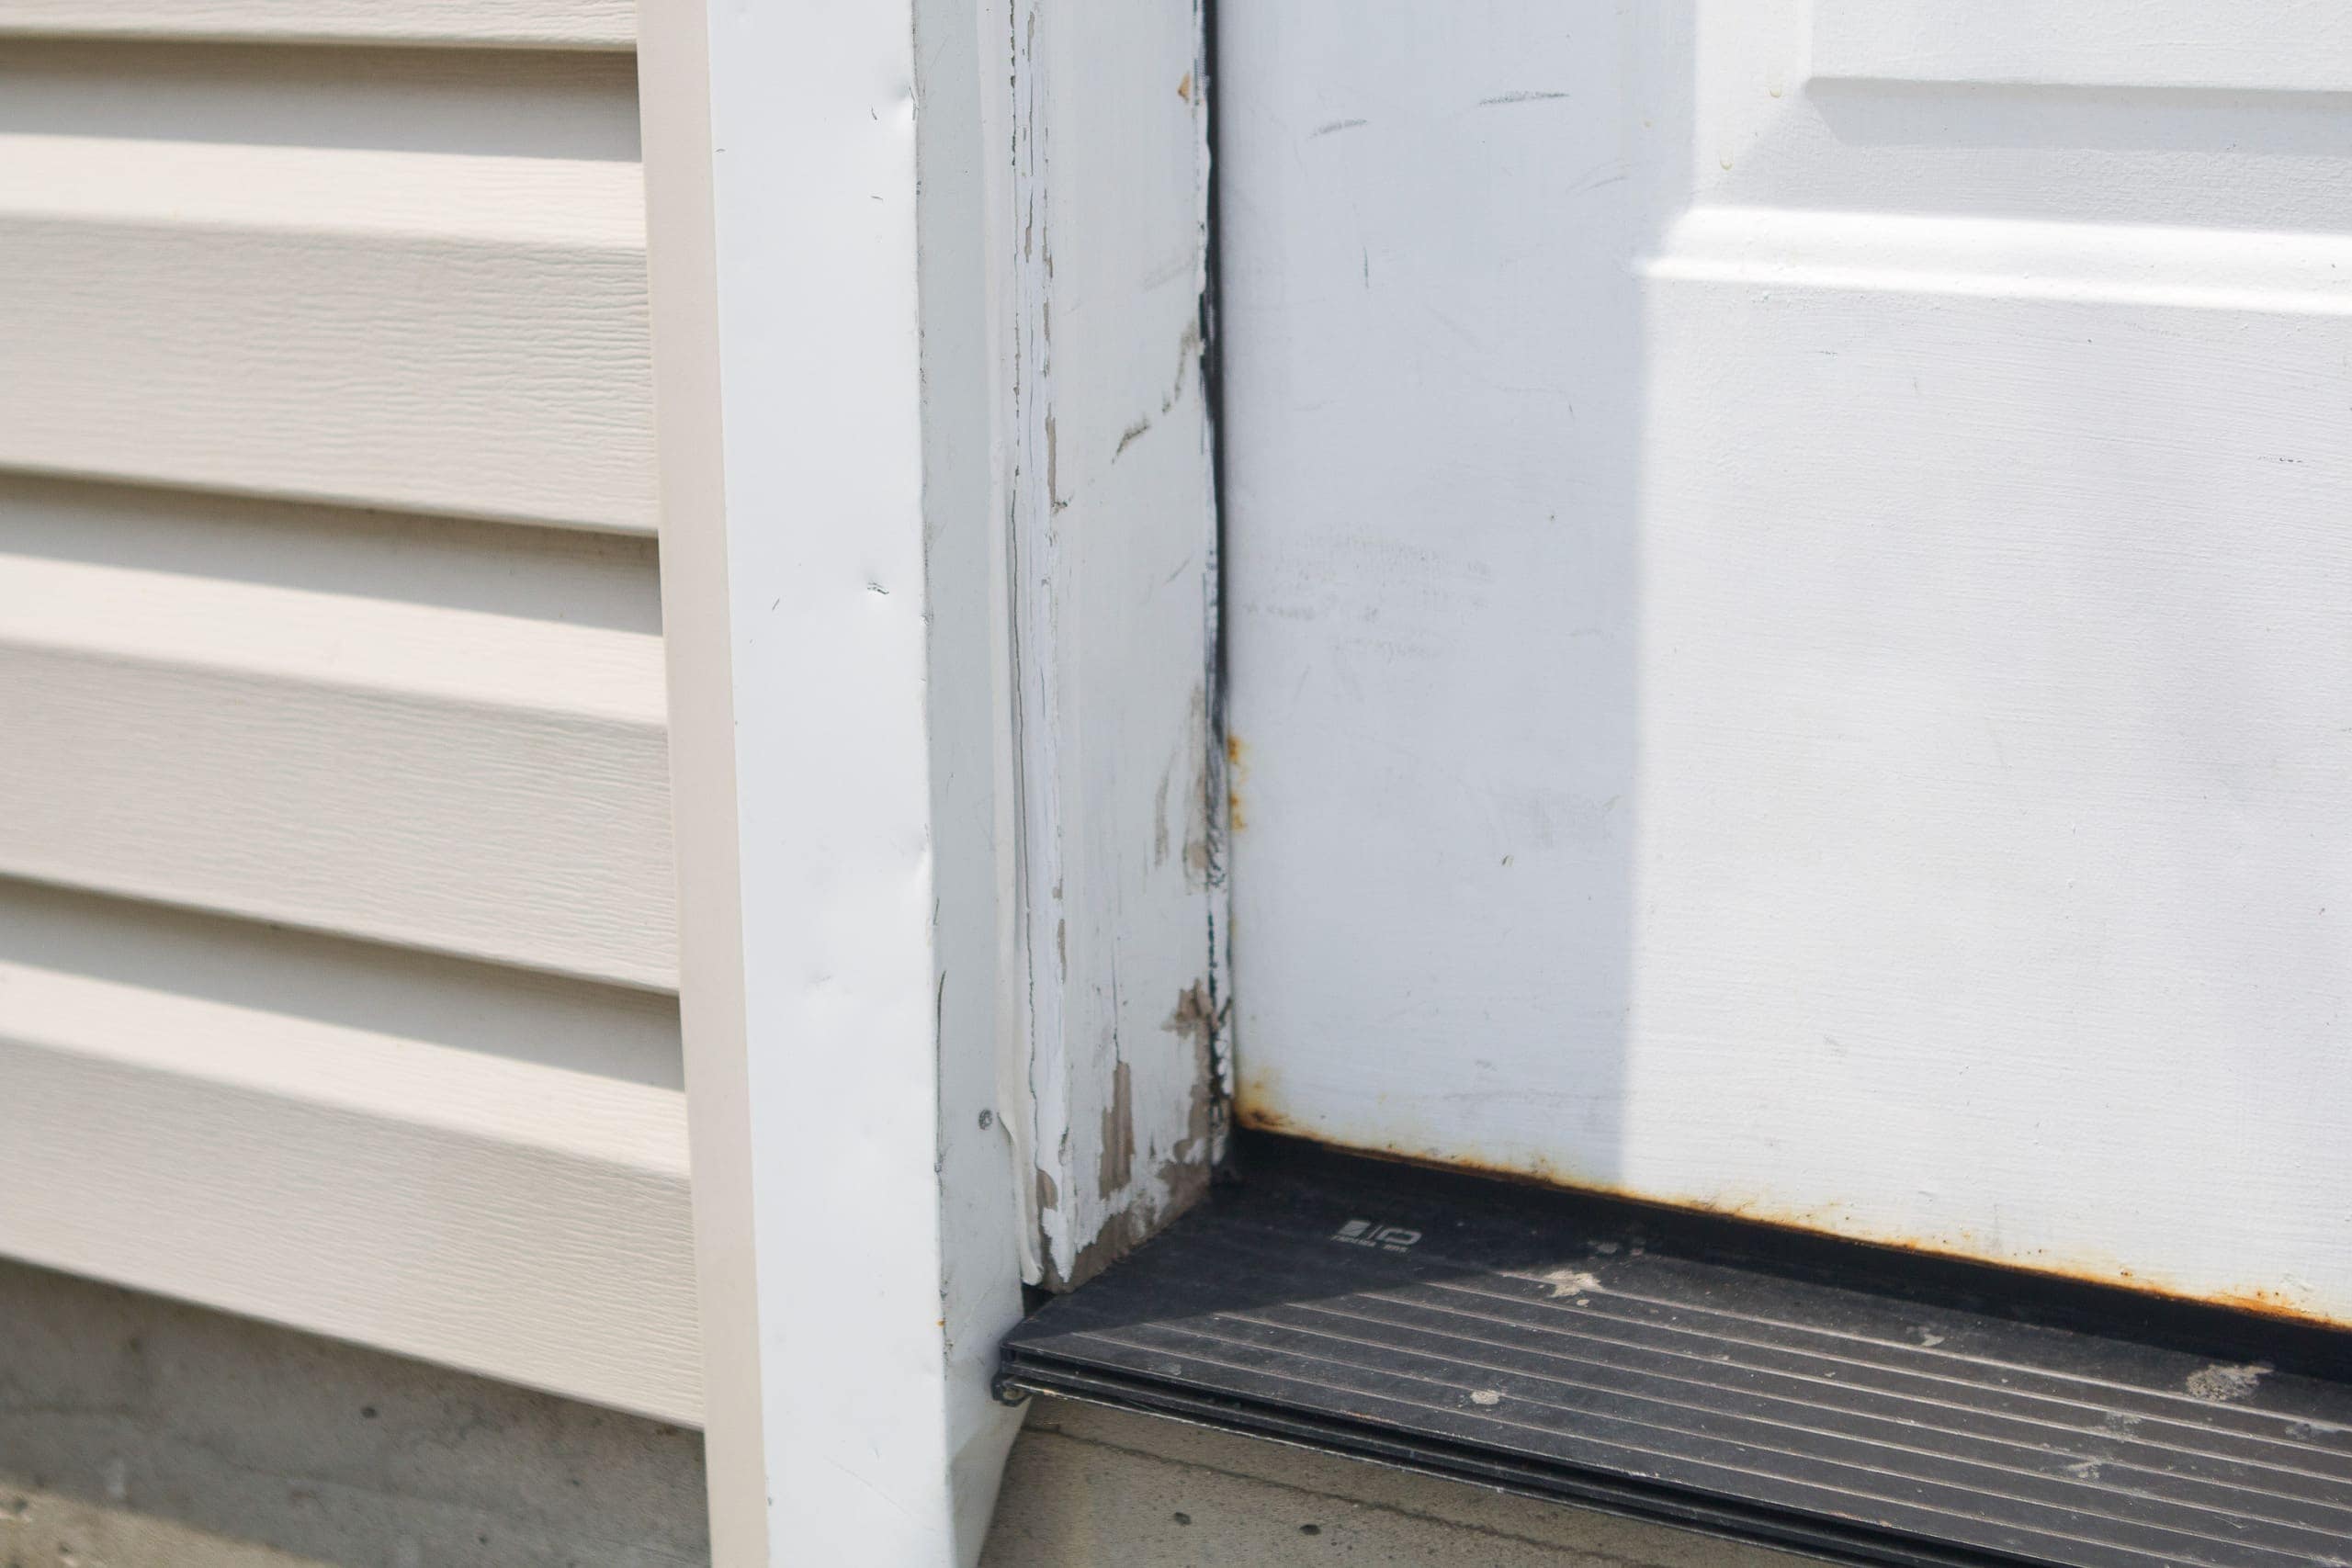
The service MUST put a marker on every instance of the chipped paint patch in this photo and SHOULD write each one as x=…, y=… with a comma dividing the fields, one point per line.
x=1570, y=1282
x=1193, y=1018
x=1198, y=1021
x=1118, y=1166
x=1201, y=856
x=1111, y=560
x=2222, y=1384
x=1177, y=1185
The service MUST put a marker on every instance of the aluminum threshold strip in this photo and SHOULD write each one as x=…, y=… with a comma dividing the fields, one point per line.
x=1855, y=1404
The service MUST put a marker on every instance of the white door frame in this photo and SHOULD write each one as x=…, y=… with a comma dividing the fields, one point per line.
x=938, y=596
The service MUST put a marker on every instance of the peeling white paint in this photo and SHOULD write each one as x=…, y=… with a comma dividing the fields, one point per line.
x=934, y=605
x=1115, y=1111
x=1571, y=1282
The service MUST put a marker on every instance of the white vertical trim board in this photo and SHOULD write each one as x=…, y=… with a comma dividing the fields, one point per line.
x=927, y=728
x=781, y=157
x=1122, y=798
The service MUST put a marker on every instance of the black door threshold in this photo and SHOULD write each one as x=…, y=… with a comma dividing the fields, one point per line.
x=1855, y=1402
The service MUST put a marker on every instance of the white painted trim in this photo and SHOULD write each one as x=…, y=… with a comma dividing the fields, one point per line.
x=849, y=460
x=1121, y=797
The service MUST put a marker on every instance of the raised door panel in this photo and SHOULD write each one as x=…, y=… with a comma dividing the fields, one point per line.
x=1790, y=616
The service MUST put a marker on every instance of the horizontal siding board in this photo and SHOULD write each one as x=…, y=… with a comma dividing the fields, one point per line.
x=335, y=885
x=511, y=570
x=476, y=102
x=510, y=1217
x=541, y=24
x=427, y=331
x=473, y=783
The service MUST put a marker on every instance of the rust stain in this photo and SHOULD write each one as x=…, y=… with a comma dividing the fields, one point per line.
x=2266, y=1302
x=1237, y=773
x=1184, y=89
x=1255, y=1089
x=1255, y=1111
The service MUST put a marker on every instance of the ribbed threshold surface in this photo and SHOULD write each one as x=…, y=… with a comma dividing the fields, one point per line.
x=1770, y=1388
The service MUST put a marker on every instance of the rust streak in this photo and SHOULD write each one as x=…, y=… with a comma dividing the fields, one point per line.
x=1255, y=1112
x=1236, y=772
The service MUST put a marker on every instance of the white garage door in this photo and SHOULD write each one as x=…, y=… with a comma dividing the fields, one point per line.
x=1791, y=612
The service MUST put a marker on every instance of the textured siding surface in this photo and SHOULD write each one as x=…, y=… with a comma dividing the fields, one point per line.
x=544, y=24
x=336, y=943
